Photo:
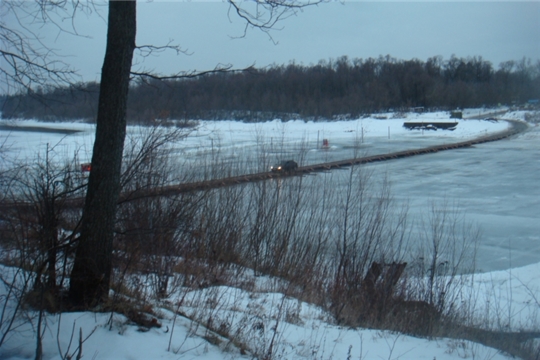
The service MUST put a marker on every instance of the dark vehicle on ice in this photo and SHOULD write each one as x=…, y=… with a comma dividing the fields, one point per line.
x=287, y=165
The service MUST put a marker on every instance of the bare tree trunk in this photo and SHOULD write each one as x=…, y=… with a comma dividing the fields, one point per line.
x=91, y=272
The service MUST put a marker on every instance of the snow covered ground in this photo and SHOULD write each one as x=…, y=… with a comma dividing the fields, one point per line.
x=262, y=319
x=496, y=184
x=347, y=139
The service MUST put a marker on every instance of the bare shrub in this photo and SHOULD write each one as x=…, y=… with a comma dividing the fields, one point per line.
x=370, y=229
x=447, y=253
x=38, y=222
x=35, y=238
x=150, y=230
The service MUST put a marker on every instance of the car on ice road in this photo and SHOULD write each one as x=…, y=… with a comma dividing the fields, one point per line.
x=287, y=165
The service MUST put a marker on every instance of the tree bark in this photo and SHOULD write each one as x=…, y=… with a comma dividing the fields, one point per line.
x=91, y=272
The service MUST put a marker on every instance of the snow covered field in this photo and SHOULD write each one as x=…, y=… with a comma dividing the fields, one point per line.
x=366, y=136
x=262, y=317
x=496, y=185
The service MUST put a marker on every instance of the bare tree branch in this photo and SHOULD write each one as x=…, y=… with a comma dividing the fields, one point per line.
x=265, y=14
x=26, y=65
x=28, y=60
x=259, y=14
x=220, y=68
x=149, y=50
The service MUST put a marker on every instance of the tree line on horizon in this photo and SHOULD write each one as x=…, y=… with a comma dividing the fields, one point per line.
x=342, y=87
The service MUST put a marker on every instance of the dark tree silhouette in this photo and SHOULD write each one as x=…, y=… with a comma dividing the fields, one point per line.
x=328, y=89
x=91, y=272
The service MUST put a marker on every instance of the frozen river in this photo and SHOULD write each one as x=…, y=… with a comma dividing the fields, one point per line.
x=495, y=185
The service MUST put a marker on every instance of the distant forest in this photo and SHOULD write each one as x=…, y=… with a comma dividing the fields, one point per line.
x=339, y=88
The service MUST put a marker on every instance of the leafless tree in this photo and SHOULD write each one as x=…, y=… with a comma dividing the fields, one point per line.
x=26, y=61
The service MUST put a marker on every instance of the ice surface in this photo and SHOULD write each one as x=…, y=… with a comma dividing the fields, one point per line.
x=496, y=185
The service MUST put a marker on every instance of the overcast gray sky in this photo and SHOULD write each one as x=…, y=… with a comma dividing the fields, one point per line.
x=496, y=31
